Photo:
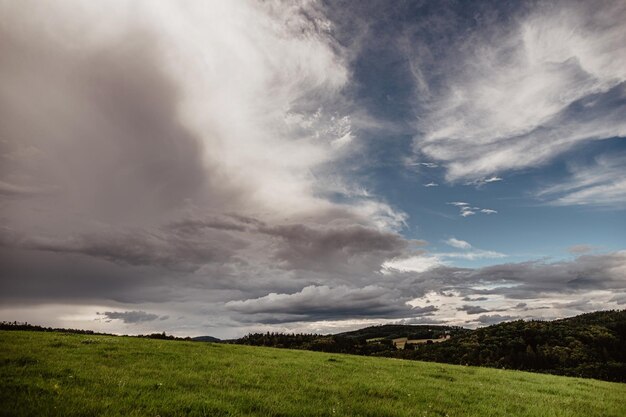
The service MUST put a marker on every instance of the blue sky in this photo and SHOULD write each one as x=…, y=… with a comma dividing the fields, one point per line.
x=528, y=224
x=221, y=167
x=525, y=227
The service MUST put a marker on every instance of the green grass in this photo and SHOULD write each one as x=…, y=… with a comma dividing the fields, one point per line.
x=57, y=374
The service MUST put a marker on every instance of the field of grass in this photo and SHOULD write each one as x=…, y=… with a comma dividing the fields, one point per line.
x=58, y=374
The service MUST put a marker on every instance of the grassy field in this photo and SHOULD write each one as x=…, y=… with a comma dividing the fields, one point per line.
x=57, y=374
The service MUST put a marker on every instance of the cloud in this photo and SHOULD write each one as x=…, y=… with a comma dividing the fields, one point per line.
x=480, y=182
x=459, y=244
x=319, y=248
x=580, y=249
x=472, y=309
x=620, y=299
x=141, y=247
x=129, y=317
x=326, y=303
x=466, y=210
x=183, y=144
x=471, y=255
x=533, y=278
x=602, y=183
x=475, y=299
x=416, y=263
x=421, y=321
x=13, y=190
x=161, y=112
x=518, y=92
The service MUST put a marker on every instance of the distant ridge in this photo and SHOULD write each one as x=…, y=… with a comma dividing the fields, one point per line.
x=206, y=339
x=591, y=345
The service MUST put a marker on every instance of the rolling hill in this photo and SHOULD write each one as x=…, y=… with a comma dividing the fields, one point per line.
x=591, y=345
x=64, y=374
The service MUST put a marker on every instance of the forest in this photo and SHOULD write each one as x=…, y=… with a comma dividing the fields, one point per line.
x=591, y=345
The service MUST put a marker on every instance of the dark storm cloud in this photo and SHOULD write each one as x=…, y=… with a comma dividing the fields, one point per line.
x=129, y=317
x=319, y=248
x=99, y=128
x=12, y=190
x=189, y=243
x=226, y=222
x=519, y=281
x=472, y=309
x=72, y=278
x=141, y=248
x=310, y=246
x=475, y=299
x=184, y=258
x=325, y=303
x=527, y=279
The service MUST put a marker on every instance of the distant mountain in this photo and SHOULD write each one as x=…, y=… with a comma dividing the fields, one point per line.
x=206, y=339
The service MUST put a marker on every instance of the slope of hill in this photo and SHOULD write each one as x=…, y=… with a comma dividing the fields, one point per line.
x=60, y=374
x=590, y=345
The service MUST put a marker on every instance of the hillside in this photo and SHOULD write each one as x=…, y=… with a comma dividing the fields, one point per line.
x=59, y=374
x=590, y=345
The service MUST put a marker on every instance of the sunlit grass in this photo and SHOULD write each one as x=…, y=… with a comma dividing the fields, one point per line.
x=55, y=374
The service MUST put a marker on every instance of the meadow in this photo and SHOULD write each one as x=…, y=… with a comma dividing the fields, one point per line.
x=62, y=374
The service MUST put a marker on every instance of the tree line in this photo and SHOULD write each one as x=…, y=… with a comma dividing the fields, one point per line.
x=591, y=345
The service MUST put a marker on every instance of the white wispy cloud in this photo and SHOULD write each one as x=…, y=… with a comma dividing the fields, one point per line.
x=602, y=183
x=466, y=210
x=457, y=243
x=529, y=91
x=479, y=182
x=417, y=263
x=469, y=253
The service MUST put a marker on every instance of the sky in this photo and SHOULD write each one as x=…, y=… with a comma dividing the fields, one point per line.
x=226, y=167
